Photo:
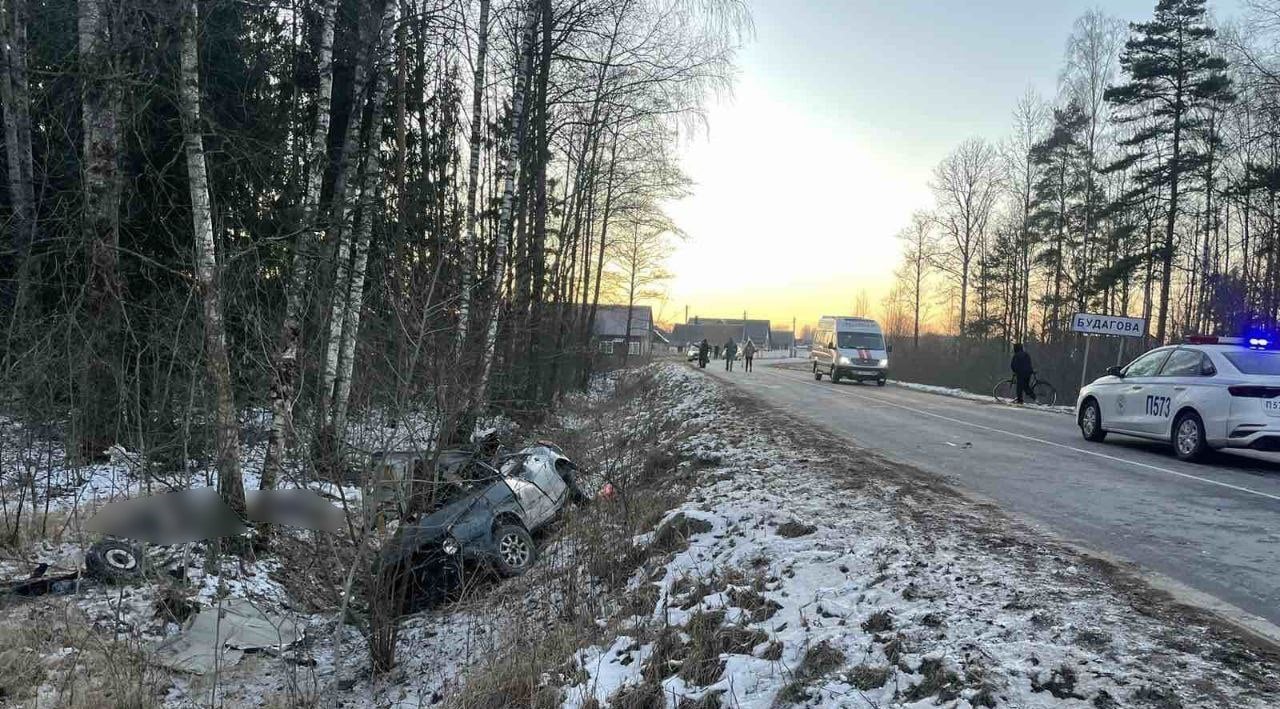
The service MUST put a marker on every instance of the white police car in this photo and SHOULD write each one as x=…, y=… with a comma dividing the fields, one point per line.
x=1209, y=393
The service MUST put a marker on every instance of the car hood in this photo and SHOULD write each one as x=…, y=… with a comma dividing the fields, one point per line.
x=433, y=527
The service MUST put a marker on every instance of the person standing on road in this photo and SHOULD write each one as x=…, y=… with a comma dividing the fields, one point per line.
x=717, y=352
x=748, y=354
x=704, y=353
x=1022, y=371
x=730, y=351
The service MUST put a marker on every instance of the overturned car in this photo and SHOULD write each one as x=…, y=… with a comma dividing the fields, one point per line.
x=488, y=523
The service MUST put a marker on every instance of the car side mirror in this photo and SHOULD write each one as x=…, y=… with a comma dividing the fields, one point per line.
x=1115, y=372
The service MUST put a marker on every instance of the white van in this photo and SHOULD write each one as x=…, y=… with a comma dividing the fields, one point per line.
x=850, y=348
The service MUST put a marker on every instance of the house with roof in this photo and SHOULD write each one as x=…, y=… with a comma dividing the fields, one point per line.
x=612, y=339
x=717, y=331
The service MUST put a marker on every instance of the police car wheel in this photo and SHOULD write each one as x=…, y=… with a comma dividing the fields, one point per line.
x=1091, y=422
x=1189, y=443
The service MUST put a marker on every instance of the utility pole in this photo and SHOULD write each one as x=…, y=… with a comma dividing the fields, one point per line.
x=686, y=315
x=793, y=337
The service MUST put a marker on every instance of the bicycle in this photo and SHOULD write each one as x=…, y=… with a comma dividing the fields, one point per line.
x=1044, y=393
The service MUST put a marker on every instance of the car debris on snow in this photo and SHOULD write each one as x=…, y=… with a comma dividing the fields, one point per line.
x=219, y=637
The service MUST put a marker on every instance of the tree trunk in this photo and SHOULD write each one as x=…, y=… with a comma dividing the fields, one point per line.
x=285, y=373
x=368, y=212
x=339, y=234
x=514, y=148
x=16, y=99
x=226, y=432
x=469, y=252
x=100, y=107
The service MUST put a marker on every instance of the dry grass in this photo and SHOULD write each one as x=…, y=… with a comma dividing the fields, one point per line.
x=48, y=647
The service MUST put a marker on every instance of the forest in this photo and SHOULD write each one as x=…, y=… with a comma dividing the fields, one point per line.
x=1146, y=187
x=220, y=213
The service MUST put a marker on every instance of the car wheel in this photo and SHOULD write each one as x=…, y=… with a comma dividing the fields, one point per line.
x=881, y=382
x=1189, y=443
x=114, y=561
x=516, y=551
x=1091, y=422
x=835, y=375
x=817, y=376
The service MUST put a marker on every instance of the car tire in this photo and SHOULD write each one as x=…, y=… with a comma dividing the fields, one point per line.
x=1091, y=422
x=114, y=561
x=817, y=376
x=881, y=382
x=835, y=375
x=1189, y=441
x=515, y=550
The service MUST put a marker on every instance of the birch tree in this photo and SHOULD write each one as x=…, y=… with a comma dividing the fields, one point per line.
x=285, y=369
x=226, y=427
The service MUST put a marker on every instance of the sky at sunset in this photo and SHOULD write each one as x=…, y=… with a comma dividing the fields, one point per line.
x=841, y=109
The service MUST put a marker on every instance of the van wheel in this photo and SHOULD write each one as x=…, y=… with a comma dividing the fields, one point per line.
x=817, y=376
x=835, y=375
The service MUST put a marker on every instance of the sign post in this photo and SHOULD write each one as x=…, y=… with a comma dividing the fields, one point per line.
x=1091, y=324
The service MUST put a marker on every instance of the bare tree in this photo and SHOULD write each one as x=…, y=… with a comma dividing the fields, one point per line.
x=967, y=185
x=919, y=251
x=226, y=427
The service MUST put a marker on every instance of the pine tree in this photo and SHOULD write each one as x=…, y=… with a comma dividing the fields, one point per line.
x=1172, y=76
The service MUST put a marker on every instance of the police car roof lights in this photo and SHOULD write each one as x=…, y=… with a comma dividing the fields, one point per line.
x=1253, y=342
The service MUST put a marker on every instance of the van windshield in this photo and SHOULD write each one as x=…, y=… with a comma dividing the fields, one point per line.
x=860, y=341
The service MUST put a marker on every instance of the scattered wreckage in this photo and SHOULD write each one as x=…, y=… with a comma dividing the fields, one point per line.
x=491, y=508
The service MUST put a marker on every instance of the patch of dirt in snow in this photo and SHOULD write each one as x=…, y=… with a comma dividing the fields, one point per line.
x=901, y=592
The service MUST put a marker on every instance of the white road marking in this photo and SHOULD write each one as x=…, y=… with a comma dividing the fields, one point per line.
x=1033, y=439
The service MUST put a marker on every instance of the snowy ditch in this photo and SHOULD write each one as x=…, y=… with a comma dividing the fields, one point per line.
x=781, y=568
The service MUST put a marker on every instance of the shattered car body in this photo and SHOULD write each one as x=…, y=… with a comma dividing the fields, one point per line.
x=492, y=526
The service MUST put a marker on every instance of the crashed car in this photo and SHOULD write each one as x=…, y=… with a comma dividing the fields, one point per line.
x=491, y=525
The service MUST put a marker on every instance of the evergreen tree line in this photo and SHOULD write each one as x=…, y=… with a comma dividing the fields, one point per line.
x=308, y=208
x=1147, y=187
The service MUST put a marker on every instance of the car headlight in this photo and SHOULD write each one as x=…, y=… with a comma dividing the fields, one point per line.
x=449, y=546
x=884, y=363
x=844, y=360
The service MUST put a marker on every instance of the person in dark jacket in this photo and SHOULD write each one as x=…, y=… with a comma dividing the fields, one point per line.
x=1022, y=371
x=748, y=354
x=730, y=351
x=704, y=353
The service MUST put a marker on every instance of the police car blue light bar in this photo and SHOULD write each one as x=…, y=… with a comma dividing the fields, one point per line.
x=1254, y=342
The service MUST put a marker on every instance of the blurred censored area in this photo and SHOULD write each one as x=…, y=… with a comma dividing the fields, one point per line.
x=199, y=514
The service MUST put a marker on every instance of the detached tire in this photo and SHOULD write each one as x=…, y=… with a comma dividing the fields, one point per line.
x=114, y=561
x=1189, y=442
x=1091, y=422
x=515, y=550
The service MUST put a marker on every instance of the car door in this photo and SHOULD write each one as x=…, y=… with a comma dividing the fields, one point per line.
x=1178, y=382
x=1130, y=413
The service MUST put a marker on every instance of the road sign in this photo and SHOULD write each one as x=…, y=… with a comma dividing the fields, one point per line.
x=1108, y=325
x=1092, y=324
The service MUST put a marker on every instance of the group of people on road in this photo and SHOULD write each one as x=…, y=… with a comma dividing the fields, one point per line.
x=730, y=350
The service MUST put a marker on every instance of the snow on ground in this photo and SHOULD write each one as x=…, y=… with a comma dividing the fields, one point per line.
x=958, y=393
x=814, y=574
x=853, y=587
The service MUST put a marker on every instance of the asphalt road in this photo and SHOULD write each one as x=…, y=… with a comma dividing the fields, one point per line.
x=1214, y=528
